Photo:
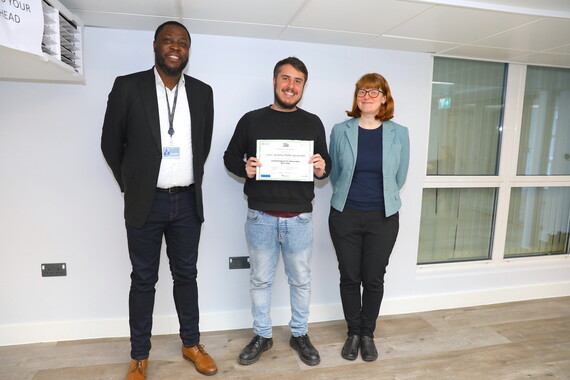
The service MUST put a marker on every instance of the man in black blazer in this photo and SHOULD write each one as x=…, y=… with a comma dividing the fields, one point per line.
x=156, y=137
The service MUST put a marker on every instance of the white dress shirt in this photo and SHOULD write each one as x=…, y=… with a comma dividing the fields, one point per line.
x=174, y=171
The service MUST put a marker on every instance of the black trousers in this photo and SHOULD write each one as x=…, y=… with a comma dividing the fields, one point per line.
x=174, y=217
x=363, y=241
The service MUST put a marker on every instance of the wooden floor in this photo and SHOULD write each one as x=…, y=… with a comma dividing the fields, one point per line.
x=521, y=340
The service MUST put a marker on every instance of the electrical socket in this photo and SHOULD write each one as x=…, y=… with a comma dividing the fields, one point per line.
x=52, y=270
x=239, y=262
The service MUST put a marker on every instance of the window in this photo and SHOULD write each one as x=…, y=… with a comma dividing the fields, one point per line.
x=457, y=224
x=545, y=138
x=466, y=116
x=464, y=140
x=460, y=203
x=538, y=221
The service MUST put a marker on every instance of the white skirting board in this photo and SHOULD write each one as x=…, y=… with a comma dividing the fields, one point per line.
x=110, y=328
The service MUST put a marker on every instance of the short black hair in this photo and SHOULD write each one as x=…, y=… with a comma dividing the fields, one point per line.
x=175, y=23
x=295, y=62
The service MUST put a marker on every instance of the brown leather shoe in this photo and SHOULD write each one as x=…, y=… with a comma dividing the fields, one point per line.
x=137, y=370
x=203, y=362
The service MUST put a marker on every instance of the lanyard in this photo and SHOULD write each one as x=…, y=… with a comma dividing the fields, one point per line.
x=171, y=113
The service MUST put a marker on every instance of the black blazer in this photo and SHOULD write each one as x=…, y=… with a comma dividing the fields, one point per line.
x=131, y=139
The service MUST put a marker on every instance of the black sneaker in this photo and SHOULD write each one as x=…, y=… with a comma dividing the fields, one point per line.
x=307, y=352
x=368, y=349
x=254, y=349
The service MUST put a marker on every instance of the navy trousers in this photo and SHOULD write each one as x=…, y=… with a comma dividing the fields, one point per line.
x=173, y=216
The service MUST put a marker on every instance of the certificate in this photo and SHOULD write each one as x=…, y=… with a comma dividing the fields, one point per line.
x=284, y=160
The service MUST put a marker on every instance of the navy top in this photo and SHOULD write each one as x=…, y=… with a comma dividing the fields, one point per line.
x=366, y=190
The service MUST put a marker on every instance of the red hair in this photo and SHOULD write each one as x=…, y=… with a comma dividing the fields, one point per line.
x=374, y=81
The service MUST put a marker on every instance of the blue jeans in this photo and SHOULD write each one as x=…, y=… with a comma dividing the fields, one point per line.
x=267, y=236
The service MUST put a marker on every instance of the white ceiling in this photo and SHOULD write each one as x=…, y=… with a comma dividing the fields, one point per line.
x=523, y=31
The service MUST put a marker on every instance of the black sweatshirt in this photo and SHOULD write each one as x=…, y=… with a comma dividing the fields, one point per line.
x=267, y=124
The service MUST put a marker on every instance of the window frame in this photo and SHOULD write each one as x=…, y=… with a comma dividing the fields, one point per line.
x=506, y=178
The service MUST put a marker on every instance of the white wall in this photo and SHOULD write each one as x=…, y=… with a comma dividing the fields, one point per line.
x=59, y=201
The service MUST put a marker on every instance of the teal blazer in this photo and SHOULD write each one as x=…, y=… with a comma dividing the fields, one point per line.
x=395, y=161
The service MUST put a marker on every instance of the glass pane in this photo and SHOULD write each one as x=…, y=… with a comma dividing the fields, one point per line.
x=545, y=133
x=538, y=222
x=466, y=117
x=456, y=225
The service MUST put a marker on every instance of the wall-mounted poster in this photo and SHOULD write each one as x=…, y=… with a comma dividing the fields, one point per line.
x=22, y=25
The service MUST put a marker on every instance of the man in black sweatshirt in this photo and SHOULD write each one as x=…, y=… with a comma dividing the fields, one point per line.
x=279, y=217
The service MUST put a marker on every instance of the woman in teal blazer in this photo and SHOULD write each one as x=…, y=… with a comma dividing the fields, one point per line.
x=370, y=156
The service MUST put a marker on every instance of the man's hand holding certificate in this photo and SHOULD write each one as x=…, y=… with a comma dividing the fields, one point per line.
x=285, y=160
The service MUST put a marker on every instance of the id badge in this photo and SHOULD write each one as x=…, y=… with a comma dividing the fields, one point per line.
x=171, y=152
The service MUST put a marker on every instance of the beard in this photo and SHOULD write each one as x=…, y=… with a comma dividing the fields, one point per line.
x=173, y=71
x=281, y=103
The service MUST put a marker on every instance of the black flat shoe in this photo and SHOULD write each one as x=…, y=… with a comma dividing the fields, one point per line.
x=368, y=349
x=350, y=348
